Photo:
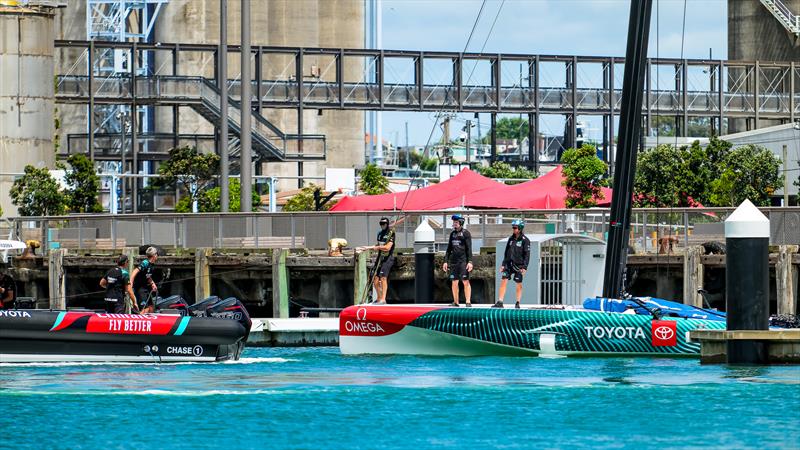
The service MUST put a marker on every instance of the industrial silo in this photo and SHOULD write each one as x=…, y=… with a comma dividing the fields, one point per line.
x=26, y=92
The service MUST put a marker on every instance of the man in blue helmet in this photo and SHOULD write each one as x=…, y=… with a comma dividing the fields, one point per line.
x=515, y=261
x=458, y=259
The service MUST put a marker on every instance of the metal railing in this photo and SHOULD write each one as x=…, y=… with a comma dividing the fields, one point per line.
x=313, y=229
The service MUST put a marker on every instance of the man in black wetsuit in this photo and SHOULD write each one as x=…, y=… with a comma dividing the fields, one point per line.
x=117, y=283
x=458, y=259
x=515, y=261
x=8, y=291
x=143, y=284
x=384, y=261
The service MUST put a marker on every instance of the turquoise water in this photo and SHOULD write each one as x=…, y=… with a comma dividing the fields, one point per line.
x=317, y=398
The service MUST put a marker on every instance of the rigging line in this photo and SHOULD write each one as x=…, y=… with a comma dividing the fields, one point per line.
x=438, y=114
x=486, y=41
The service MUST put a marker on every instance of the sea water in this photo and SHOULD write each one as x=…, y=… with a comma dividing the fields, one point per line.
x=318, y=398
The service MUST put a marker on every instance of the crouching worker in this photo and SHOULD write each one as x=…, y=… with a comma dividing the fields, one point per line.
x=515, y=261
x=117, y=283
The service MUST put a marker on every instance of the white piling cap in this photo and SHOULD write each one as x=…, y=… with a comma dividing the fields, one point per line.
x=747, y=222
x=424, y=232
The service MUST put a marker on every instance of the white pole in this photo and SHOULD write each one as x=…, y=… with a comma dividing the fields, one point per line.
x=379, y=115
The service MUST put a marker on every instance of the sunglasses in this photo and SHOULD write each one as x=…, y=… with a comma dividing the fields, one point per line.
x=515, y=228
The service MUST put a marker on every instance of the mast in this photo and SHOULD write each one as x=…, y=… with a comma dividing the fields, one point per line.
x=630, y=126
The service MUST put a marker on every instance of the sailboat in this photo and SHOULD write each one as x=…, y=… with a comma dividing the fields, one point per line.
x=610, y=324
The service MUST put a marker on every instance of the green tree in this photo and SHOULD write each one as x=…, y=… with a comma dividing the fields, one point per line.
x=748, y=172
x=83, y=185
x=509, y=128
x=211, y=201
x=426, y=164
x=372, y=181
x=499, y=169
x=191, y=170
x=37, y=193
x=796, y=183
x=304, y=200
x=583, y=176
x=667, y=176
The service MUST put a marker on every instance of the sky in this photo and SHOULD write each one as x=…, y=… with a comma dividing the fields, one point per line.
x=564, y=27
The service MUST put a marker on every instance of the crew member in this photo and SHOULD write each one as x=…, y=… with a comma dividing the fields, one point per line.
x=458, y=259
x=384, y=261
x=515, y=261
x=143, y=284
x=117, y=283
x=8, y=291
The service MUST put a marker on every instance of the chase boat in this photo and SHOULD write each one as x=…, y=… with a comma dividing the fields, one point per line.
x=639, y=327
x=212, y=330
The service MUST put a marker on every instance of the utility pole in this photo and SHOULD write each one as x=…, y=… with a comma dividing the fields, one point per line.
x=246, y=153
x=785, y=176
x=408, y=156
x=224, y=194
x=466, y=143
x=446, y=137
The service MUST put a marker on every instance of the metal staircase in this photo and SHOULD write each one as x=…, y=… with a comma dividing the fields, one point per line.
x=269, y=143
x=785, y=16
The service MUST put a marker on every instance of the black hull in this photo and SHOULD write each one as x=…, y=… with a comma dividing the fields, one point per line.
x=53, y=336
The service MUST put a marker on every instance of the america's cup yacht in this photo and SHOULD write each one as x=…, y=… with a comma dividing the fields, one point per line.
x=608, y=324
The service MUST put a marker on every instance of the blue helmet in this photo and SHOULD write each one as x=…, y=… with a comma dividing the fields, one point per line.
x=459, y=218
x=518, y=223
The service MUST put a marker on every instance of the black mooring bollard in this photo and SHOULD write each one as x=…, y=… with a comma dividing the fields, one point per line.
x=747, y=281
x=424, y=251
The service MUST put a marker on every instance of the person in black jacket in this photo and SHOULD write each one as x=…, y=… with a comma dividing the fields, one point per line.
x=143, y=285
x=515, y=261
x=8, y=291
x=458, y=259
x=384, y=261
x=117, y=283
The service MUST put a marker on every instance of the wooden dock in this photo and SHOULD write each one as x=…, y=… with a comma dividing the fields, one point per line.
x=783, y=346
x=306, y=332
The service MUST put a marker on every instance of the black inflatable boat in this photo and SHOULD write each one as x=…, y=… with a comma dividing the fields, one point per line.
x=208, y=331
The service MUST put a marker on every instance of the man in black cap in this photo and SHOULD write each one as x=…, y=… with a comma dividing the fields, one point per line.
x=117, y=283
x=458, y=259
x=8, y=291
x=384, y=261
x=515, y=261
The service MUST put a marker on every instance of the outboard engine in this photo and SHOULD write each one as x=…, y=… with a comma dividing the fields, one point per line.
x=229, y=308
x=174, y=302
x=199, y=308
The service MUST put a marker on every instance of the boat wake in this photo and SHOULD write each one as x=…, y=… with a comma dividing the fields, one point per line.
x=264, y=360
x=153, y=392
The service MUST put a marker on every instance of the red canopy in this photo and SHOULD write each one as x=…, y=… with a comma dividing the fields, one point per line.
x=453, y=193
x=545, y=192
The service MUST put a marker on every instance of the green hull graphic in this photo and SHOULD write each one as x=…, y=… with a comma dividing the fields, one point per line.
x=573, y=332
